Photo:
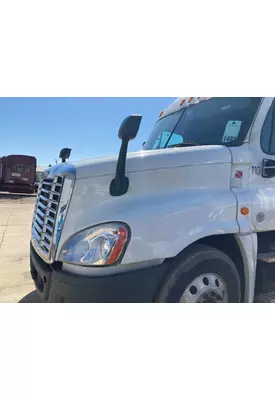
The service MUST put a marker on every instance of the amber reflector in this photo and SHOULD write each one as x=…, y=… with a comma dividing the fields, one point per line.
x=244, y=211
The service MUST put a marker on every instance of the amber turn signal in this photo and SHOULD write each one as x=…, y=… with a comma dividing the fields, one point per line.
x=244, y=211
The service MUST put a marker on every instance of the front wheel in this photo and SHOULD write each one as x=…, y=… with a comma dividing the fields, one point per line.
x=202, y=274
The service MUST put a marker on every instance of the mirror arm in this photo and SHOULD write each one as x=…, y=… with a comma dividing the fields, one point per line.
x=120, y=184
x=128, y=130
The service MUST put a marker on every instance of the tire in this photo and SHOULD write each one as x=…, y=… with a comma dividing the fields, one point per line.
x=201, y=274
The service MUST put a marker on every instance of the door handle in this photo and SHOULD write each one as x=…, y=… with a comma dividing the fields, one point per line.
x=268, y=170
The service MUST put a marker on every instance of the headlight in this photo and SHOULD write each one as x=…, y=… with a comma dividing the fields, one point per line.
x=101, y=245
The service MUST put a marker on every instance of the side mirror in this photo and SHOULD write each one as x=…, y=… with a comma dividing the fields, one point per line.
x=65, y=154
x=129, y=128
x=268, y=168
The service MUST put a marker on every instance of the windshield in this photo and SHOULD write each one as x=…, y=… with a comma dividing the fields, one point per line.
x=217, y=121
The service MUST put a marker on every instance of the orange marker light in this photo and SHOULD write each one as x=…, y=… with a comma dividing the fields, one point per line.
x=244, y=211
x=160, y=114
x=190, y=99
x=117, y=250
x=181, y=103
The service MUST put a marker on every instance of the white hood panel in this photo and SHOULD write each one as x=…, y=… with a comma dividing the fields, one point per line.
x=154, y=159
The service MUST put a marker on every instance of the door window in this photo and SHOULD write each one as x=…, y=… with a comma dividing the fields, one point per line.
x=268, y=132
x=22, y=168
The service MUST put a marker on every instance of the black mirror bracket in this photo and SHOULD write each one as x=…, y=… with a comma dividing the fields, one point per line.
x=120, y=184
x=119, y=191
x=127, y=131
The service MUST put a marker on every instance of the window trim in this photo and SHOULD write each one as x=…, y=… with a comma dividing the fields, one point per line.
x=272, y=128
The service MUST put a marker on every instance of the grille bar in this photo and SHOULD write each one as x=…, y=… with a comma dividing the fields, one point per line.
x=49, y=228
x=46, y=245
x=37, y=228
x=49, y=192
x=51, y=220
x=51, y=210
x=41, y=205
x=48, y=199
x=40, y=221
x=40, y=213
x=36, y=234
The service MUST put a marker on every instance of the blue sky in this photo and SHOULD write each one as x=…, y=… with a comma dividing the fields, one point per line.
x=42, y=126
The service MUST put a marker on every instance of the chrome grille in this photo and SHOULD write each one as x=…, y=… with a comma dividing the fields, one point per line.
x=45, y=215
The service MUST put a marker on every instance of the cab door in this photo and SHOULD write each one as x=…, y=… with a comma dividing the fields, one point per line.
x=262, y=174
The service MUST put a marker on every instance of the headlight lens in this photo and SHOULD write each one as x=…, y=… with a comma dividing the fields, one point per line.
x=101, y=245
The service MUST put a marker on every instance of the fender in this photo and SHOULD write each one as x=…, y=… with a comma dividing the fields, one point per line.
x=176, y=221
x=167, y=209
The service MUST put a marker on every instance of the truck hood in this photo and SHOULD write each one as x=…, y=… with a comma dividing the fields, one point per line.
x=149, y=160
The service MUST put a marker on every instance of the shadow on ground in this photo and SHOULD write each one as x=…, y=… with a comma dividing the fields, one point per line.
x=10, y=198
x=32, y=297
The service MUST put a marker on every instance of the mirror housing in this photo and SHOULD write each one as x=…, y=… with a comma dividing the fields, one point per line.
x=65, y=154
x=129, y=128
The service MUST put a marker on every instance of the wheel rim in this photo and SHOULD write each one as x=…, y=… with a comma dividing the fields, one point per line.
x=206, y=288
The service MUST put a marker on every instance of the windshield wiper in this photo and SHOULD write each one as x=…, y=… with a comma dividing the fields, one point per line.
x=184, y=144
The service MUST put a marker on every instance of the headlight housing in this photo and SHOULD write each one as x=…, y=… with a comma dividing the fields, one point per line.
x=97, y=246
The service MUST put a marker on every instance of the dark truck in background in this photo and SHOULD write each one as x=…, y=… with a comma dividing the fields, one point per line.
x=39, y=177
x=17, y=174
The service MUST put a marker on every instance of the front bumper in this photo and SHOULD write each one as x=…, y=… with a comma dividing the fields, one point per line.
x=54, y=285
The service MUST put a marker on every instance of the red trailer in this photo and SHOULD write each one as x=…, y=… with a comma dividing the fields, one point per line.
x=2, y=163
x=17, y=174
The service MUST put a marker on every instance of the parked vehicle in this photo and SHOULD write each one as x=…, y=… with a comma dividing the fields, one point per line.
x=190, y=218
x=38, y=177
x=17, y=173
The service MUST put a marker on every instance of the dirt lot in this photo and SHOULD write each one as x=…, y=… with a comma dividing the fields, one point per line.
x=15, y=227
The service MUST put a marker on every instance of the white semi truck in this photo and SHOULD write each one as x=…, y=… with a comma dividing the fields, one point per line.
x=189, y=218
